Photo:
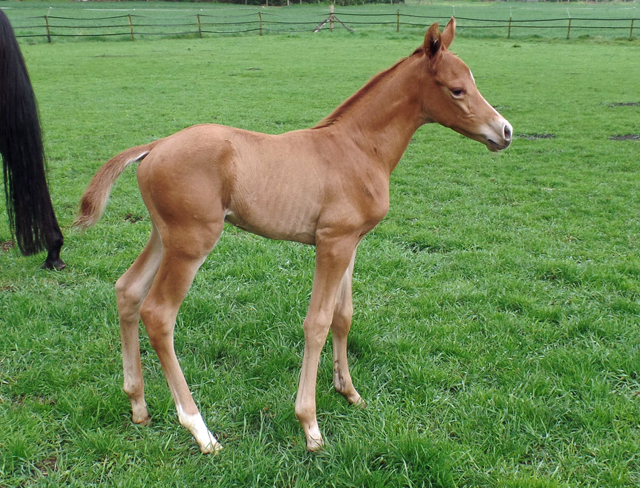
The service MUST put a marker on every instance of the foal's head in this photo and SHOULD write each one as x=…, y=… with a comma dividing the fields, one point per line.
x=452, y=98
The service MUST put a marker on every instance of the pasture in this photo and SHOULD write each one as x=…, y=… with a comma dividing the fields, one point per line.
x=70, y=21
x=495, y=334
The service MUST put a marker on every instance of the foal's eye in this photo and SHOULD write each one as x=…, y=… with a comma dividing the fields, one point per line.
x=458, y=92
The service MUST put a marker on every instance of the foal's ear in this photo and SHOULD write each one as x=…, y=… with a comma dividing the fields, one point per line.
x=432, y=41
x=449, y=33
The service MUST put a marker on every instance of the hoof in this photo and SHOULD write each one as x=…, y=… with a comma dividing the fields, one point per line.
x=139, y=412
x=314, y=445
x=360, y=403
x=212, y=448
x=353, y=397
x=209, y=445
x=57, y=264
x=141, y=419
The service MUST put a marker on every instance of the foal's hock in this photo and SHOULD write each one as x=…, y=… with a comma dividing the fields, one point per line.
x=326, y=186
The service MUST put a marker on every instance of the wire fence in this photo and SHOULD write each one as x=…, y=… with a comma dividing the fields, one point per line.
x=135, y=25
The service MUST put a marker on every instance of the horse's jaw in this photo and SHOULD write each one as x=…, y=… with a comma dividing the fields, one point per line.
x=496, y=134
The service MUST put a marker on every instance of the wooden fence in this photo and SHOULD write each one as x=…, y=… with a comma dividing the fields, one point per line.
x=133, y=25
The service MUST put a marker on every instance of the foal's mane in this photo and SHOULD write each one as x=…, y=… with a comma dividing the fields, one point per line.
x=354, y=99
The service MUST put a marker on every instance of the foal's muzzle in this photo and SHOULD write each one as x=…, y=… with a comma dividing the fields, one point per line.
x=499, y=136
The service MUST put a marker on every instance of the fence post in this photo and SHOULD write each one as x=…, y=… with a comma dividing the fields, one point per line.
x=631, y=31
x=199, y=27
x=331, y=11
x=398, y=21
x=569, y=28
x=46, y=21
x=131, y=28
x=260, y=20
x=509, y=33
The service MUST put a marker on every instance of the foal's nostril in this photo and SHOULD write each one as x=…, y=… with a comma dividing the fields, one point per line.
x=507, y=132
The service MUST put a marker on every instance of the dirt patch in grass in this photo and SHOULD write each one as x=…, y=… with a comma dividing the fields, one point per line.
x=133, y=218
x=113, y=56
x=6, y=245
x=626, y=137
x=47, y=465
x=533, y=137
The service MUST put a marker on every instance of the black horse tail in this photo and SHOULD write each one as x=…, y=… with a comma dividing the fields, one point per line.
x=31, y=215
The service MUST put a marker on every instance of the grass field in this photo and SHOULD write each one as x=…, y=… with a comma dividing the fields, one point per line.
x=475, y=19
x=495, y=336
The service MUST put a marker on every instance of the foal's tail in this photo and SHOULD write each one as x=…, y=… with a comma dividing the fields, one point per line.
x=94, y=199
x=31, y=215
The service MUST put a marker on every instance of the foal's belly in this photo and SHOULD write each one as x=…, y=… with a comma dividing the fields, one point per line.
x=271, y=228
x=274, y=215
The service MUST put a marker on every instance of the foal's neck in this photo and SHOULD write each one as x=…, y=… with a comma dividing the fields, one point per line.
x=383, y=115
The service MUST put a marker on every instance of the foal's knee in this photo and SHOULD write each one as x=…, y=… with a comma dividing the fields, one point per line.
x=316, y=329
x=342, y=319
x=158, y=326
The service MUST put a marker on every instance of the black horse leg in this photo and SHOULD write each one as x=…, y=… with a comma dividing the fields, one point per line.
x=54, y=244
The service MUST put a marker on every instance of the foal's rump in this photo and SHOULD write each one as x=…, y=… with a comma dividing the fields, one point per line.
x=171, y=165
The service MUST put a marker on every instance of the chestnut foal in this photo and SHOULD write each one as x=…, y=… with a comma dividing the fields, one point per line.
x=326, y=186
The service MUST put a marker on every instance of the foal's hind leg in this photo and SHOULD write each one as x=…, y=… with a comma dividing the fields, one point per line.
x=131, y=290
x=340, y=328
x=159, y=310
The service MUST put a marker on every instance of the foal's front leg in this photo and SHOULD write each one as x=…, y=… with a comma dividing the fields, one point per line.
x=332, y=260
x=340, y=329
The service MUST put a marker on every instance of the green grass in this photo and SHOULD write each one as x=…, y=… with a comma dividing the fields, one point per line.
x=178, y=19
x=495, y=336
